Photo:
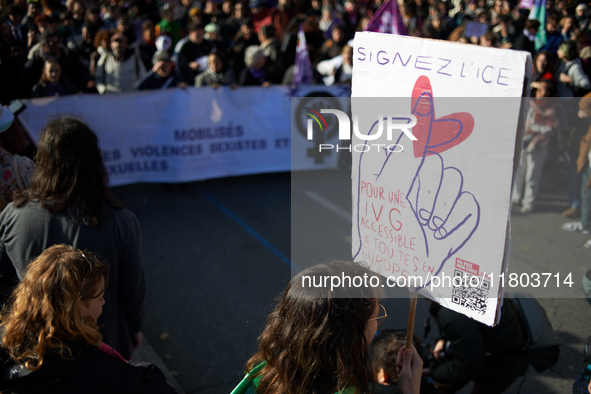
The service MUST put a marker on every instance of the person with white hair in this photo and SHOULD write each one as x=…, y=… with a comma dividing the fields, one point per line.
x=582, y=17
x=254, y=73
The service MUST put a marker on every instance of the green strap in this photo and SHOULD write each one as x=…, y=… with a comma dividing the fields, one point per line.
x=248, y=384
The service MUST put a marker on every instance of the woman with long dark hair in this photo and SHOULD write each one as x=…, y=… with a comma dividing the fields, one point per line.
x=317, y=340
x=69, y=203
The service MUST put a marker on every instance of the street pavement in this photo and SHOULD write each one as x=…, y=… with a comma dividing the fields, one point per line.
x=218, y=252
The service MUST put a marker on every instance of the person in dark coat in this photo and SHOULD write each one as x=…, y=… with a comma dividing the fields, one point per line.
x=491, y=357
x=50, y=48
x=525, y=40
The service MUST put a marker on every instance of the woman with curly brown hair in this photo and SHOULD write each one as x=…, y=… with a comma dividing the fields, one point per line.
x=317, y=338
x=50, y=341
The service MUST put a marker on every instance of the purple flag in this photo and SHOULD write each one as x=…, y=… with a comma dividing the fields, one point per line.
x=387, y=19
x=302, y=74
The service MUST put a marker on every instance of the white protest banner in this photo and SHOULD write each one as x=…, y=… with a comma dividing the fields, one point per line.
x=181, y=135
x=431, y=209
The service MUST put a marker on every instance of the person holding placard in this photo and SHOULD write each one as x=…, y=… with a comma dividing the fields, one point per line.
x=317, y=338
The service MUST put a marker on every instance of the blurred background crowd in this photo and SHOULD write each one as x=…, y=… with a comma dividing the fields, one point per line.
x=53, y=48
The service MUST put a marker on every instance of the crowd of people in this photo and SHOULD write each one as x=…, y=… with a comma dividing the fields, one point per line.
x=53, y=48
x=61, y=304
x=48, y=48
x=70, y=320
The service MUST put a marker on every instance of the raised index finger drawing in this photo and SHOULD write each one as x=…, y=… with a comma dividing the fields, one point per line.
x=446, y=213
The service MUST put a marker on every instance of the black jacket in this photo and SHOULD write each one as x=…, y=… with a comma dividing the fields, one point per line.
x=479, y=352
x=91, y=371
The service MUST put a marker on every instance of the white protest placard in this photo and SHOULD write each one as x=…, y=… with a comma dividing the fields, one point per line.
x=436, y=208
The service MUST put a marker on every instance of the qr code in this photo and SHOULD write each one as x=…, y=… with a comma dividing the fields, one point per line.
x=470, y=291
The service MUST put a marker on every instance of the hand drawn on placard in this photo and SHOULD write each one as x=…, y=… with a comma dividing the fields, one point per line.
x=447, y=214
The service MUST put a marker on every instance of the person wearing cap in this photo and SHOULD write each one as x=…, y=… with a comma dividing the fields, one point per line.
x=163, y=74
x=17, y=171
x=119, y=69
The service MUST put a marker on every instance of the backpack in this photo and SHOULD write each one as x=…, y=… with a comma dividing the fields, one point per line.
x=542, y=342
